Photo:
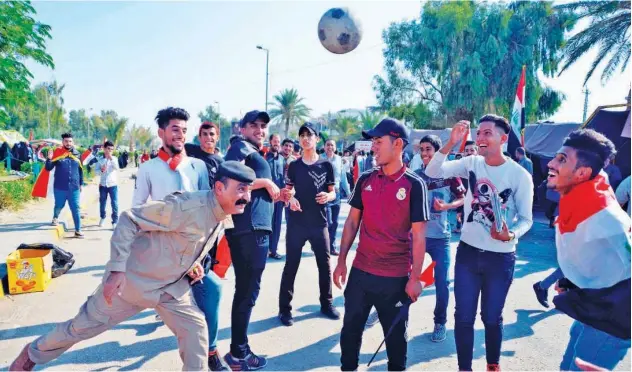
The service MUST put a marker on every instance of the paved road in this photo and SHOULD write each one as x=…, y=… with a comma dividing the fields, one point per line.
x=534, y=338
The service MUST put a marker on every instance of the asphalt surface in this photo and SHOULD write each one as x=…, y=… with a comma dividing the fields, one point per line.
x=534, y=338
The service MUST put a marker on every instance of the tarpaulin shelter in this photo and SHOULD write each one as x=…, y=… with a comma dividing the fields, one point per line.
x=11, y=137
x=614, y=122
x=541, y=141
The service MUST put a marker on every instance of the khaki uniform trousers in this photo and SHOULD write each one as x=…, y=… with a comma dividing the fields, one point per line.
x=182, y=316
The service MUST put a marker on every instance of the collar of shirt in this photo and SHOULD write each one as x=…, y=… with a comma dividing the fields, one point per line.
x=394, y=176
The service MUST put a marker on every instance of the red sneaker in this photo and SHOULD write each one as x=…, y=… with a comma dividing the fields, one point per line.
x=23, y=362
x=493, y=367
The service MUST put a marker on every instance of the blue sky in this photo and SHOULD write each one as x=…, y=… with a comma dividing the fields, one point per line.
x=138, y=57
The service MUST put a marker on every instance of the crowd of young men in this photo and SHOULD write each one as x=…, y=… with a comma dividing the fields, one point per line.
x=400, y=215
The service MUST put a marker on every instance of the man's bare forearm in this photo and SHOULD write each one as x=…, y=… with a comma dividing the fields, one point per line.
x=348, y=236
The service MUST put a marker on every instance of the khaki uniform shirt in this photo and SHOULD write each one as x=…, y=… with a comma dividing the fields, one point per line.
x=156, y=244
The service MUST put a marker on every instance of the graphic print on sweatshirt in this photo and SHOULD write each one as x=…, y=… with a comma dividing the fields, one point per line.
x=483, y=191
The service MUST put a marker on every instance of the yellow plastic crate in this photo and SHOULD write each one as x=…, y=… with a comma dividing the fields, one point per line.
x=29, y=270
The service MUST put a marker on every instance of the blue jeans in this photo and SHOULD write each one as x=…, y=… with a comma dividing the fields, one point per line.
x=439, y=251
x=72, y=196
x=333, y=211
x=208, y=293
x=488, y=274
x=547, y=282
x=593, y=346
x=277, y=221
x=103, y=197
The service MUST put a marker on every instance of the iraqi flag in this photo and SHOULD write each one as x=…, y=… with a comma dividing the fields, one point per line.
x=41, y=186
x=593, y=236
x=517, y=122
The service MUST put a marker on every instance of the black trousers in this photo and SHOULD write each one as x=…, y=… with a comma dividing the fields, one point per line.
x=248, y=252
x=296, y=237
x=387, y=294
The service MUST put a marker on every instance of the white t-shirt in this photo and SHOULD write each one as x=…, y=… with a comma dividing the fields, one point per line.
x=156, y=180
x=510, y=181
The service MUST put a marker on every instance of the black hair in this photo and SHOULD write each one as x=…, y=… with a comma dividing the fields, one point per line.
x=66, y=135
x=521, y=151
x=165, y=115
x=208, y=125
x=593, y=149
x=498, y=121
x=435, y=141
x=287, y=140
x=470, y=143
x=108, y=144
x=272, y=136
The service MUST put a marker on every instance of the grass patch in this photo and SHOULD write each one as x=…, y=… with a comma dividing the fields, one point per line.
x=14, y=194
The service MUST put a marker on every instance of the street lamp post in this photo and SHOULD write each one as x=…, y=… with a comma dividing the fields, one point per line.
x=267, y=61
x=219, y=124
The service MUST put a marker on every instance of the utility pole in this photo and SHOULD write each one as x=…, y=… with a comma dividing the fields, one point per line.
x=586, y=93
x=267, y=61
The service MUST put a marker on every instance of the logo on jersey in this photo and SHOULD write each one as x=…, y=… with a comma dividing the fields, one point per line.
x=368, y=188
x=401, y=194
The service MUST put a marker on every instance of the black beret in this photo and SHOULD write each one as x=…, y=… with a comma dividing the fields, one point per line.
x=235, y=170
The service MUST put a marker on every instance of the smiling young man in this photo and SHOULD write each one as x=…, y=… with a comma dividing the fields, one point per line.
x=389, y=204
x=333, y=207
x=592, y=237
x=445, y=194
x=207, y=151
x=171, y=170
x=485, y=257
x=249, y=240
x=312, y=179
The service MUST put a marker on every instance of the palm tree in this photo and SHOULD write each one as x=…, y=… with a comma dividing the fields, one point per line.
x=347, y=127
x=112, y=126
x=370, y=119
x=609, y=30
x=289, y=109
x=144, y=138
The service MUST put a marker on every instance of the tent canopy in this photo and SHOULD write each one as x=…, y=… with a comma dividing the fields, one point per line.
x=544, y=139
x=11, y=137
x=611, y=123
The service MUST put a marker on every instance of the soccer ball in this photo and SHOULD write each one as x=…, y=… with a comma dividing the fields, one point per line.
x=339, y=31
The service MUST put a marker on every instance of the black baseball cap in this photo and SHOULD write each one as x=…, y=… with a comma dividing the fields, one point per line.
x=308, y=126
x=388, y=126
x=253, y=115
x=235, y=170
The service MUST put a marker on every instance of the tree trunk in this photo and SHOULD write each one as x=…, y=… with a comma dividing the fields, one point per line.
x=287, y=126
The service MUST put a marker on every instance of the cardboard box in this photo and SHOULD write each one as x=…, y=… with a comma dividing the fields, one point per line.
x=29, y=270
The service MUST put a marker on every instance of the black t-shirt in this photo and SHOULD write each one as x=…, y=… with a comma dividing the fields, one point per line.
x=212, y=161
x=258, y=213
x=309, y=180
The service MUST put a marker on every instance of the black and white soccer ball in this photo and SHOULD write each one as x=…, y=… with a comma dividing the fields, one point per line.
x=339, y=31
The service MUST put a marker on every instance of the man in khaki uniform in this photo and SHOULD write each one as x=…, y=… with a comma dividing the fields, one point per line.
x=156, y=251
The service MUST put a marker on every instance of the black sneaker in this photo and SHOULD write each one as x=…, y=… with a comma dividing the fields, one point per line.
x=275, y=256
x=286, y=319
x=216, y=363
x=330, y=312
x=79, y=235
x=251, y=362
x=541, y=294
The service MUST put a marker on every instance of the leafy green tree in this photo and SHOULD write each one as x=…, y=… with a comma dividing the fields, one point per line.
x=289, y=109
x=464, y=58
x=609, y=30
x=111, y=126
x=370, y=119
x=22, y=38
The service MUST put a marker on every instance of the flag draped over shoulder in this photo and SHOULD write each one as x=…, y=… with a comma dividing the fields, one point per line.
x=40, y=188
x=593, y=236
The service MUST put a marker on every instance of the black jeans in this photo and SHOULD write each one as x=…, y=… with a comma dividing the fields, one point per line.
x=488, y=274
x=296, y=237
x=248, y=252
x=387, y=294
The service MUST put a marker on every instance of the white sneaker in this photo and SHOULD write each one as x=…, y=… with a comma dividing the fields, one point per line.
x=113, y=226
x=101, y=222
